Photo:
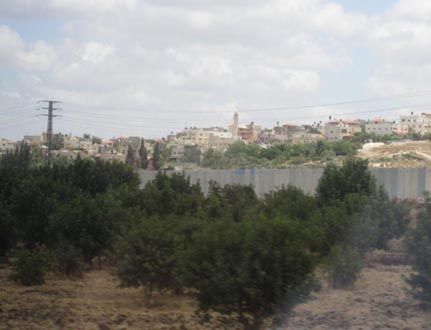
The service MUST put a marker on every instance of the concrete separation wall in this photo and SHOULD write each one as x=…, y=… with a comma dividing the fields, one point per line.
x=402, y=183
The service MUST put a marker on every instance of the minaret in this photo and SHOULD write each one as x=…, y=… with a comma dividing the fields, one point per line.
x=235, y=125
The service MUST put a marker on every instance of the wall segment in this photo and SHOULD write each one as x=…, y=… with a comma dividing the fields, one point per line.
x=402, y=183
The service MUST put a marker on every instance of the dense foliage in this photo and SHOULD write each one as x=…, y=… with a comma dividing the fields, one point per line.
x=250, y=268
x=242, y=155
x=242, y=255
x=419, y=247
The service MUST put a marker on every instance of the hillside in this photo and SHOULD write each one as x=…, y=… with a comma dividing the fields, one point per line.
x=398, y=154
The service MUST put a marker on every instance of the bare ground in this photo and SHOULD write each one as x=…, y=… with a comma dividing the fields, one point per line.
x=398, y=154
x=378, y=300
x=95, y=303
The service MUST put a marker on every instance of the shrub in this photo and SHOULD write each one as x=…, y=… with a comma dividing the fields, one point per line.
x=380, y=220
x=69, y=261
x=344, y=266
x=147, y=257
x=30, y=266
x=250, y=268
x=419, y=248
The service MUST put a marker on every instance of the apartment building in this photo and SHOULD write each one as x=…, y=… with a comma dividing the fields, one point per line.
x=220, y=139
x=420, y=124
x=379, y=127
x=195, y=136
x=340, y=129
x=270, y=136
x=249, y=133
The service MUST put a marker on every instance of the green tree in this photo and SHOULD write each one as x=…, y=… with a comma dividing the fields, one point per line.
x=7, y=229
x=130, y=156
x=235, y=149
x=251, y=268
x=192, y=154
x=157, y=157
x=290, y=201
x=143, y=156
x=345, y=148
x=32, y=202
x=57, y=142
x=147, y=256
x=172, y=194
x=96, y=140
x=380, y=220
x=89, y=225
x=31, y=266
x=233, y=202
x=353, y=177
x=213, y=158
x=94, y=176
x=320, y=148
x=419, y=249
x=343, y=266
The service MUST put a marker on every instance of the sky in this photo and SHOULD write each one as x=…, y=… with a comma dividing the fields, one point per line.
x=152, y=67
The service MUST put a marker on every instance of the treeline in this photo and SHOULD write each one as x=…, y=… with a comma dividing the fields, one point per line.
x=242, y=155
x=242, y=255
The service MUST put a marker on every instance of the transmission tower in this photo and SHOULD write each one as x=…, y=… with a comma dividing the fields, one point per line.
x=49, y=131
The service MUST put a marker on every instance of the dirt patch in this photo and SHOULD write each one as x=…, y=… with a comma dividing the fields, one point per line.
x=378, y=300
x=398, y=154
x=96, y=302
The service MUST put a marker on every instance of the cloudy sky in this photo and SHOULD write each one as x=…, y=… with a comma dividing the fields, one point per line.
x=149, y=67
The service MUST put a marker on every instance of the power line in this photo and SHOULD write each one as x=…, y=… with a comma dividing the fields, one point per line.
x=17, y=123
x=267, y=109
x=331, y=104
x=105, y=120
x=107, y=123
x=19, y=109
x=367, y=111
x=17, y=106
x=108, y=117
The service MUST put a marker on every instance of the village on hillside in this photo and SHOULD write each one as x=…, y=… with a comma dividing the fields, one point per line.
x=189, y=145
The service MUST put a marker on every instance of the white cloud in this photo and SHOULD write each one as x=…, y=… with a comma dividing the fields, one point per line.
x=400, y=38
x=10, y=45
x=40, y=56
x=190, y=55
x=97, y=53
x=301, y=81
x=412, y=9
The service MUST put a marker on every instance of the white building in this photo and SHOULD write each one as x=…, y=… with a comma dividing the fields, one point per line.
x=420, y=124
x=6, y=145
x=33, y=139
x=379, y=127
x=220, y=139
x=71, y=142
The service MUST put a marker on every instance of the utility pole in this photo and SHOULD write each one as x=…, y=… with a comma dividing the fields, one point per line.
x=49, y=131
